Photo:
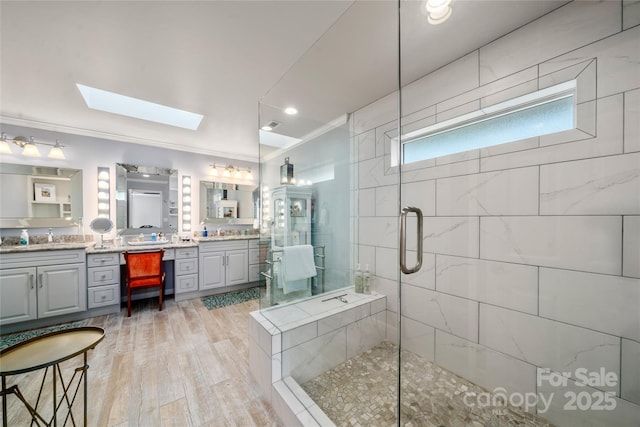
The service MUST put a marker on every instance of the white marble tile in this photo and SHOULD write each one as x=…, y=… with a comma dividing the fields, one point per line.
x=514, y=286
x=388, y=288
x=548, y=344
x=454, y=79
x=603, y=186
x=384, y=134
x=631, y=246
x=450, y=236
x=386, y=263
x=608, y=141
x=418, y=338
x=260, y=368
x=630, y=371
x=372, y=173
x=510, y=93
x=569, y=27
x=382, y=111
x=280, y=316
x=510, y=147
x=630, y=13
x=306, y=419
x=386, y=202
x=586, y=243
x=424, y=171
x=286, y=405
x=420, y=194
x=426, y=276
x=584, y=73
x=336, y=321
x=631, y=122
x=314, y=357
x=507, y=192
x=392, y=327
x=298, y=392
x=458, y=110
x=366, y=145
x=596, y=412
x=299, y=335
x=379, y=231
x=378, y=305
x=579, y=299
x=276, y=367
x=367, y=202
x=365, y=334
x=483, y=366
x=457, y=316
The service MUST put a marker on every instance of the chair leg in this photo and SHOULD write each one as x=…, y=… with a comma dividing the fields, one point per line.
x=128, y=302
x=161, y=292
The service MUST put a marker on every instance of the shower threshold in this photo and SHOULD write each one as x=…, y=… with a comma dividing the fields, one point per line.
x=363, y=392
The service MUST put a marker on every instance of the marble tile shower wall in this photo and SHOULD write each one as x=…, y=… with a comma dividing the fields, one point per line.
x=532, y=248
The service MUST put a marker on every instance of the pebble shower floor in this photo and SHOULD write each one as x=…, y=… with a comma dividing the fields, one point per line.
x=362, y=392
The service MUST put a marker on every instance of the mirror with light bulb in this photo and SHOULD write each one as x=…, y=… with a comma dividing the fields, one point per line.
x=39, y=196
x=146, y=199
x=223, y=203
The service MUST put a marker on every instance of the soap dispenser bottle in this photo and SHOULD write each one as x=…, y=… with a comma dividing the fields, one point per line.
x=205, y=233
x=24, y=237
x=358, y=285
x=50, y=236
x=366, y=280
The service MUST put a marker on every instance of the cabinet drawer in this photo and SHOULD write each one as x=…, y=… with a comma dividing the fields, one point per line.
x=186, y=266
x=98, y=276
x=186, y=253
x=254, y=256
x=100, y=260
x=101, y=296
x=254, y=243
x=223, y=246
x=186, y=283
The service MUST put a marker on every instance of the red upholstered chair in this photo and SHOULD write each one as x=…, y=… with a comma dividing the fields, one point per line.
x=144, y=270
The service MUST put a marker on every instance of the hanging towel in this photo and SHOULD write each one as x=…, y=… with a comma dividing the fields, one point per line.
x=297, y=265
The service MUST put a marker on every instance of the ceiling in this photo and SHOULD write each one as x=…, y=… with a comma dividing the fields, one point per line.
x=221, y=58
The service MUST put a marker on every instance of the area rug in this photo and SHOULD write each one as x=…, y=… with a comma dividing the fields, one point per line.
x=230, y=298
x=9, y=340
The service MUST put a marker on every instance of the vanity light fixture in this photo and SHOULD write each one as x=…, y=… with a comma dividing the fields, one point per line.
x=29, y=146
x=230, y=171
x=104, y=191
x=186, y=203
x=438, y=11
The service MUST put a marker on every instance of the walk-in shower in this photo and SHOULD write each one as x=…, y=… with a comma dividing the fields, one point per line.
x=519, y=299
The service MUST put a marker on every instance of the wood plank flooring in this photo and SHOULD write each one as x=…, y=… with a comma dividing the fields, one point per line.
x=183, y=366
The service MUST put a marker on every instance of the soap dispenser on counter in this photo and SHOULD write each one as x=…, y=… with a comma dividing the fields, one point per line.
x=24, y=237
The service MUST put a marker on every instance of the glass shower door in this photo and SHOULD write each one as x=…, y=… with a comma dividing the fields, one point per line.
x=525, y=309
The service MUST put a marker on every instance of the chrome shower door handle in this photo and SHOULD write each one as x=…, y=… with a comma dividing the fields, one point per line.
x=403, y=240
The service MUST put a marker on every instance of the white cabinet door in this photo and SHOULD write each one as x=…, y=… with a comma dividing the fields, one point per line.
x=18, y=299
x=62, y=289
x=212, y=270
x=237, y=267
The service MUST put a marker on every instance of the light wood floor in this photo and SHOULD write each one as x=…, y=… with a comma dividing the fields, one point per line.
x=183, y=366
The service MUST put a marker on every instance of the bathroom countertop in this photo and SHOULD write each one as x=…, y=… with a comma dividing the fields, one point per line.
x=224, y=238
x=45, y=247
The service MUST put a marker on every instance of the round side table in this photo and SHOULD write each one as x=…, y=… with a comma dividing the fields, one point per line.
x=44, y=352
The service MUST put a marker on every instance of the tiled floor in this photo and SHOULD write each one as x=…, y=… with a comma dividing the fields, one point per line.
x=363, y=392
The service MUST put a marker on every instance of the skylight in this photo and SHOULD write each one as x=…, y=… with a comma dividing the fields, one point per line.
x=110, y=102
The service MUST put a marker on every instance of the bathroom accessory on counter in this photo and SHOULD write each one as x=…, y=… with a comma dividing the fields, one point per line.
x=24, y=237
x=101, y=226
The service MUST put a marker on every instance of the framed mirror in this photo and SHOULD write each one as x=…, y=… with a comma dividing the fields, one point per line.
x=39, y=196
x=222, y=203
x=146, y=199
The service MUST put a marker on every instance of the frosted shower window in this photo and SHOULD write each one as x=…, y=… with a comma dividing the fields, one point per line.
x=513, y=123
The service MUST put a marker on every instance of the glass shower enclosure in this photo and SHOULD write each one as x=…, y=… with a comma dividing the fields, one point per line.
x=478, y=163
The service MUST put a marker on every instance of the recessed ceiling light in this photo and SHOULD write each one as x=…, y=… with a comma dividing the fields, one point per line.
x=267, y=128
x=291, y=111
x=110, y=102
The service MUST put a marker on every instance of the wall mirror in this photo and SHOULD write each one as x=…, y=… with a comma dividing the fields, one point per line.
x=39, y=196
x=222, y=203
x=146, y=199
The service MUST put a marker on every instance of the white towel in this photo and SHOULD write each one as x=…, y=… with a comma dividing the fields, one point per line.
x=297, y=265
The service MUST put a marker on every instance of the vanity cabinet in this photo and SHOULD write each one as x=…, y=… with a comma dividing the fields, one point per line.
x=42, y=284
x=223, y=264
x=255, y=265
x=103, y=279
x=186, y=270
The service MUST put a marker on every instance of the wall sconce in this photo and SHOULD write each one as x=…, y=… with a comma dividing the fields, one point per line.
x=104, y=193
x=231, y=171
x=186, y=203
x=286, y=173
x=29, y=147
